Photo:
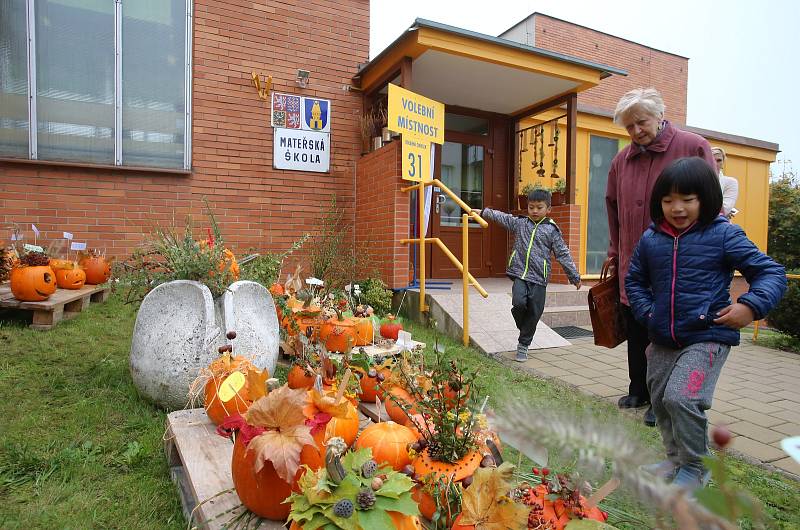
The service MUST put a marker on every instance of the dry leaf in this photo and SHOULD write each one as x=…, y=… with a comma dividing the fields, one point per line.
x=325, y=402
x=257, y=383
x=280, y=409
x=486, y=504
x=282, y=448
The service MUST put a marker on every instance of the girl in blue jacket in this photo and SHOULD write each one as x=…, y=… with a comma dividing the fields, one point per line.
x=678, y=286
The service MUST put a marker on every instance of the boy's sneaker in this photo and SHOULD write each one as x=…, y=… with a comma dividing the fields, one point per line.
x=665, y=469
x=690, y=478
x=522, y=353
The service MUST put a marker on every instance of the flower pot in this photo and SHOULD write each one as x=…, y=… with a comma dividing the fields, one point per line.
x=338, y=335
x=522, y=202
x=558, y=198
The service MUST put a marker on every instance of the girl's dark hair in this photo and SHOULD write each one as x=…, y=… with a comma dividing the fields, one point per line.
x=691, y=175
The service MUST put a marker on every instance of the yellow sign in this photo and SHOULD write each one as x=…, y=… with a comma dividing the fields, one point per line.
x=415, y=115
x=416, y=159
x=230, y=386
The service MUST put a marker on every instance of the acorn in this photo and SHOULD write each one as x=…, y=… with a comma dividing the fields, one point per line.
x=467, y=481
x=231, y=335
x=423, y=443
x=488, y=461
x=408, y=470
x=416, y=447
x=380, y=377
x=377, y=483
x=372, y=373
x=225, y=348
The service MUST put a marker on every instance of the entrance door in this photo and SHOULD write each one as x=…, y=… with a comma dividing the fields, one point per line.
x=467, y=164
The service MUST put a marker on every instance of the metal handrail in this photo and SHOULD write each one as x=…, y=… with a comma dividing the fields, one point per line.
x=466, y=277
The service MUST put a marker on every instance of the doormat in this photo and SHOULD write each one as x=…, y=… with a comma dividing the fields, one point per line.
x=573, y=332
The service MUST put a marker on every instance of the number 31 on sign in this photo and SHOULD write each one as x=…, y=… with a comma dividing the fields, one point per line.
x=416, y=159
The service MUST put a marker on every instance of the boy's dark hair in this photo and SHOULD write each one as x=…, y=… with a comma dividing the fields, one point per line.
x=540, y=195
x=690, y=175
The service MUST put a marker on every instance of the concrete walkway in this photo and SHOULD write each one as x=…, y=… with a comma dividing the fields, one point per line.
x=757, y=396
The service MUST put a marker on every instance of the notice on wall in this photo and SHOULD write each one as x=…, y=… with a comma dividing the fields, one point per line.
x=301, y=150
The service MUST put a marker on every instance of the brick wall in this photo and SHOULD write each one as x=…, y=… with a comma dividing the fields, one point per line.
x=646, y=66
x=568, y=219
x=255, y=205
x=383, y=214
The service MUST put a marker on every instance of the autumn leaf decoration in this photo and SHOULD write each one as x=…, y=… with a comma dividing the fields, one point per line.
x=281, y=413
x=486, y=503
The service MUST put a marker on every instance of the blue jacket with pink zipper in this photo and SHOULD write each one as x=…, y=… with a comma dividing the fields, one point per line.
x=678, y=281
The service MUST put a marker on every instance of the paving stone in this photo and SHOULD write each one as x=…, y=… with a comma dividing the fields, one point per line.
x=718, y=418
x=788, y=464
x=789, y=429
x=788, y=404
x=786, y=394
x=576, y=380
x=723, y=406
x=752, y=394
x=553, y=371
x=764, y=452
x=759, y=418
x=788, y=415
x=757, y=433
x=754, y=404
x=601, y=390
x=566, y=365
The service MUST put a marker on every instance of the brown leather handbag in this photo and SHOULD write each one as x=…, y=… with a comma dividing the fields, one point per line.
x=605, y=311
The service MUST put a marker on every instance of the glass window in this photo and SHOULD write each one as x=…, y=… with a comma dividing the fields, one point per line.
x=75, y=80
x=466, y=124
x=13, y=80
x=153, y=60
x=462, y=172
x=601, y=152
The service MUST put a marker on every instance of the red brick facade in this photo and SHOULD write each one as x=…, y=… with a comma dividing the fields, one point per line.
x=568, y=219
x=255, y=205
x=383, y=214
x=646, y=66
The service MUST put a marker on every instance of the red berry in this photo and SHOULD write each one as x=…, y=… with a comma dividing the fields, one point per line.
x=721, y=436
x=545, y=471
x=535, y=471
x=231, y=335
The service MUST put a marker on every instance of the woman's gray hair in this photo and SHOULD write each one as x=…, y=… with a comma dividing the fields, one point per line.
x=720, y=151
x=648, y=100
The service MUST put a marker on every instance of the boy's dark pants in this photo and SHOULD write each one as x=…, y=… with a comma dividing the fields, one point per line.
x=527, y=305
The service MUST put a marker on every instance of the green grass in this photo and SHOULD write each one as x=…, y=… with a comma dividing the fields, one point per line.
x=79, y=449
x=772, y=339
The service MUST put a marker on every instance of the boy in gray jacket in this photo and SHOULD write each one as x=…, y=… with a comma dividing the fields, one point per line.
x=535, y=238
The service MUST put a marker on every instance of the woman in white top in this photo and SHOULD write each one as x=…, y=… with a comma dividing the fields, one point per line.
x=729, y=185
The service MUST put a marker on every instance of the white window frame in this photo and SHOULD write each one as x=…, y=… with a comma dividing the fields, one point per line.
x=33, y=151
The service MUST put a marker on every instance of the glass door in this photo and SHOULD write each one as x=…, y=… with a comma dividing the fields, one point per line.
x=601, y=152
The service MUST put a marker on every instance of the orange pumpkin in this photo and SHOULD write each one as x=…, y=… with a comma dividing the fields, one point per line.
x=338, y=335
x=461, y=469
x=303, y=323
x=389, y=443
x=277, y=289
x=97, y=268
x=264, y=492
x=297, y=378
x=70, y=278
x=425, y=501
x=345, y=427
x=421, y=421
x=220, y=369
x=33, y=284
x=56, y=264
x=365, y=331
x=370, y=386
x=401, y=522
x=393, y=409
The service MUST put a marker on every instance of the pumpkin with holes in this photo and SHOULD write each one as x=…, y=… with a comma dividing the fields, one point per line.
x=70, y=278
x=338, y=335
x=97, y=269
x=32, y=283
x=389, y=442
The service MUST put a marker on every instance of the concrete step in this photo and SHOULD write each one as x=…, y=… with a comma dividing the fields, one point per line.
x=556, y=316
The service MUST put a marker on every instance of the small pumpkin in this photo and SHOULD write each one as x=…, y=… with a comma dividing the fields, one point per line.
x=338, y=335
x=390, y=328
x=345, y=427
x=365, y=331
x=393, y=409
x=298, y=378
x=56, y=264
x=221, y=369
x=389, y=443
x=33, y=284
x=70, y=278
x=276, y=289
x=97, y=268
x=370, y=386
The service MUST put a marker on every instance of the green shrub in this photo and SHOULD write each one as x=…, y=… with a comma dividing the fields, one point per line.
x=375, y=293
x=783, y=241
x=784, y=316
x=266, y=268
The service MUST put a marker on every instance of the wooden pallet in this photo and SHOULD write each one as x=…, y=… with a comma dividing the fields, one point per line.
x=200, y=465
x=62, y=305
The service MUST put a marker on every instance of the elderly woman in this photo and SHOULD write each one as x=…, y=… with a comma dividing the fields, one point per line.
x=655, y=143
x=729, y=185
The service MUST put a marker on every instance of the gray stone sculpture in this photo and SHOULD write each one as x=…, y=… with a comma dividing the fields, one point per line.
x=180, y=326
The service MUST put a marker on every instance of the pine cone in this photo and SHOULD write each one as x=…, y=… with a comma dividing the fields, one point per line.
x=35, y=259
x=365, y=499
x=5, y=263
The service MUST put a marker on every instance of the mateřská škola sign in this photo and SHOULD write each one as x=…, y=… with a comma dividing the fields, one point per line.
x=301, y=139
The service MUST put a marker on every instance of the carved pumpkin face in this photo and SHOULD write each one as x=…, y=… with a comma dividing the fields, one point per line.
x=33, y=284
x=70, y=278
x=97, y=269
